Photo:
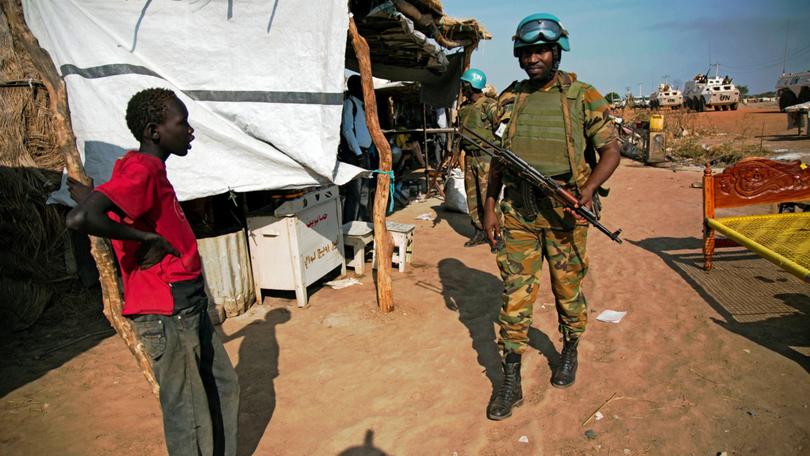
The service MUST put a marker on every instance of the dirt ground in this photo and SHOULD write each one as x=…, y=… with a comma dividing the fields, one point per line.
x=754, y=129
x=703, y=363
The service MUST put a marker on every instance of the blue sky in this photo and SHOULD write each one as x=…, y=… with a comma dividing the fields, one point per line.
x=620, y=43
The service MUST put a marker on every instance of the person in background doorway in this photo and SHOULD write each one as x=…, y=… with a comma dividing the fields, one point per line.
x=357, y=149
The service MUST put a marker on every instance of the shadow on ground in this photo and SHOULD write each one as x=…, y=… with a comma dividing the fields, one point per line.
x=792, y=137
x=755, y=298
x=460, y=223
x=70, y=326
x=477, y=297
x=367, y=449
x=257, y=369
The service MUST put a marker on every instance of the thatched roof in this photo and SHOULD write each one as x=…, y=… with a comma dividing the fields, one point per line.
x=32, y=233
x=412, y=35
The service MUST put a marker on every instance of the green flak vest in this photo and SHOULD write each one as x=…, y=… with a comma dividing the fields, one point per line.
x=474, y=117
x=538, y=126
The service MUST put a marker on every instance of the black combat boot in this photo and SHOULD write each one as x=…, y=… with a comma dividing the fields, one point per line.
x=567, y=371
x=509, y=395
x=478, y=238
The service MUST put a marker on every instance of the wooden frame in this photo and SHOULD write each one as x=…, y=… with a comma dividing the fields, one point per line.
x=751, y=181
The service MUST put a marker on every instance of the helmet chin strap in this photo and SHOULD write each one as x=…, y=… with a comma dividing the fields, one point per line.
x=555, y=65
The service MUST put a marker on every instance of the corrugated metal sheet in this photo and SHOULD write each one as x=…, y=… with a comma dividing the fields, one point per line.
x=227, y=272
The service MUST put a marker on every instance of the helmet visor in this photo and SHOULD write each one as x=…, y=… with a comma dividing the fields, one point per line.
x=541, y=29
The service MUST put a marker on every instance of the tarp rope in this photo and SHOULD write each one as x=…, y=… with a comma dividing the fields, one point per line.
x=390, y=190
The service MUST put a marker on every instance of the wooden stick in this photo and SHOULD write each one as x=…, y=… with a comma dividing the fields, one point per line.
x=66, y=144
x=383, y=244
x=599, y=408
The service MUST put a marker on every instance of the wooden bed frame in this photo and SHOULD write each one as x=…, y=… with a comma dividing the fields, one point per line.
x=749, y=182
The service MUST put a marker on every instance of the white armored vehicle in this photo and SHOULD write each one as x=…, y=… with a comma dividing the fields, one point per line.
x=703, y=92
x=793, y=88
x=666, y=96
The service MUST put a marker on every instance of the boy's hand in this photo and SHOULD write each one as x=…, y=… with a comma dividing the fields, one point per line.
x=78, y=191
x=153, y=250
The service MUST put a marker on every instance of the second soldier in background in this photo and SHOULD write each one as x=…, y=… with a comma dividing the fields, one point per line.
x=478, y=113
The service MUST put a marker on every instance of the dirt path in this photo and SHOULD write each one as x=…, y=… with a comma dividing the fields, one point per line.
x=702, y=363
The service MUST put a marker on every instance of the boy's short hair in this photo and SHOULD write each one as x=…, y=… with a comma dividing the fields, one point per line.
x=149, y=105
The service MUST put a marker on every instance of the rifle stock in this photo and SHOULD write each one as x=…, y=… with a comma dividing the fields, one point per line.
x=541, y=181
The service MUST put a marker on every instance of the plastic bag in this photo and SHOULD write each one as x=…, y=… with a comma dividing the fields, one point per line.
x=455, y=196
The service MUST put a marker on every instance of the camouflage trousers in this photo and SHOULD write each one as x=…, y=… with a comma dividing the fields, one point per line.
x=521, y=259
x=476, y=171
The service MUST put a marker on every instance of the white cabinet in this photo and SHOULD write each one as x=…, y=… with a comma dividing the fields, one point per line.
x=299, y=243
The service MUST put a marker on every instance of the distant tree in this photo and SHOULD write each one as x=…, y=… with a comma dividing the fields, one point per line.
x=612, y=96
x=764, y=95
x=743, y=90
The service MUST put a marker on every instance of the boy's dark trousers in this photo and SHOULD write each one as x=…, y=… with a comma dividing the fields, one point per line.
x=199, y=388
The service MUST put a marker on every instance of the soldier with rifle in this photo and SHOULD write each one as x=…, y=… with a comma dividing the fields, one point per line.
x=550, y=121
x=477, y=113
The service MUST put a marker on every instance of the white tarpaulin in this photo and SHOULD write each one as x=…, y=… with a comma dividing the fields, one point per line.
x=262, y=81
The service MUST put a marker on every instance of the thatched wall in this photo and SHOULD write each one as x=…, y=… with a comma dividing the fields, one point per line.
x=33, y=238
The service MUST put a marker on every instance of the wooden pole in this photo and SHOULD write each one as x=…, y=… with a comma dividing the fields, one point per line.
x=66, y=144
x=427, y=151
x=383, y=243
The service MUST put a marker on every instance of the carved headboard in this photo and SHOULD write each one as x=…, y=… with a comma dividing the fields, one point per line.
x=755, y=181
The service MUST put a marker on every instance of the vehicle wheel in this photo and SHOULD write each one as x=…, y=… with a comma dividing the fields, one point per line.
x=787, y=98
x=725, y=108
x=804, y=95
x=701, y=104
x=717, y=108
x=734, y=107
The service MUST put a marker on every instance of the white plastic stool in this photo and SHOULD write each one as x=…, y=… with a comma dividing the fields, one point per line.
x=402, y=235
x=358, y=235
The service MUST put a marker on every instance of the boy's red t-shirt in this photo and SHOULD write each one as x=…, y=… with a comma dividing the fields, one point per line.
x=140, y=187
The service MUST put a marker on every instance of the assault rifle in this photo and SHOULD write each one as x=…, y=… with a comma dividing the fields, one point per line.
x=546, y=184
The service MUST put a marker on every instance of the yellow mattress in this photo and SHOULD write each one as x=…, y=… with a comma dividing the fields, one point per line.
x=783, y=239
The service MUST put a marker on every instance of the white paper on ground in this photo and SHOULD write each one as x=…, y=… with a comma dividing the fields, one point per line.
x=343, y=283
x=611, y=316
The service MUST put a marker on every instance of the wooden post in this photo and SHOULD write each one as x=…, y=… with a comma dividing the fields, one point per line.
x=383, y=244
x=66, y=144
x=426, y=150
x=708, y=212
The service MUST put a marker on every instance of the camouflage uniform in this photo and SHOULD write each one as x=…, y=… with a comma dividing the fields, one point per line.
x=478, y=116
x=551, y=232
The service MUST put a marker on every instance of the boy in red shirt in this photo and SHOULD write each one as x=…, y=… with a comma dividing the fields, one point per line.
x=164, y=292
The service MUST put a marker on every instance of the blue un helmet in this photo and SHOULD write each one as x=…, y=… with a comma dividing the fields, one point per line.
x=540, y=28
x=476, y=78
